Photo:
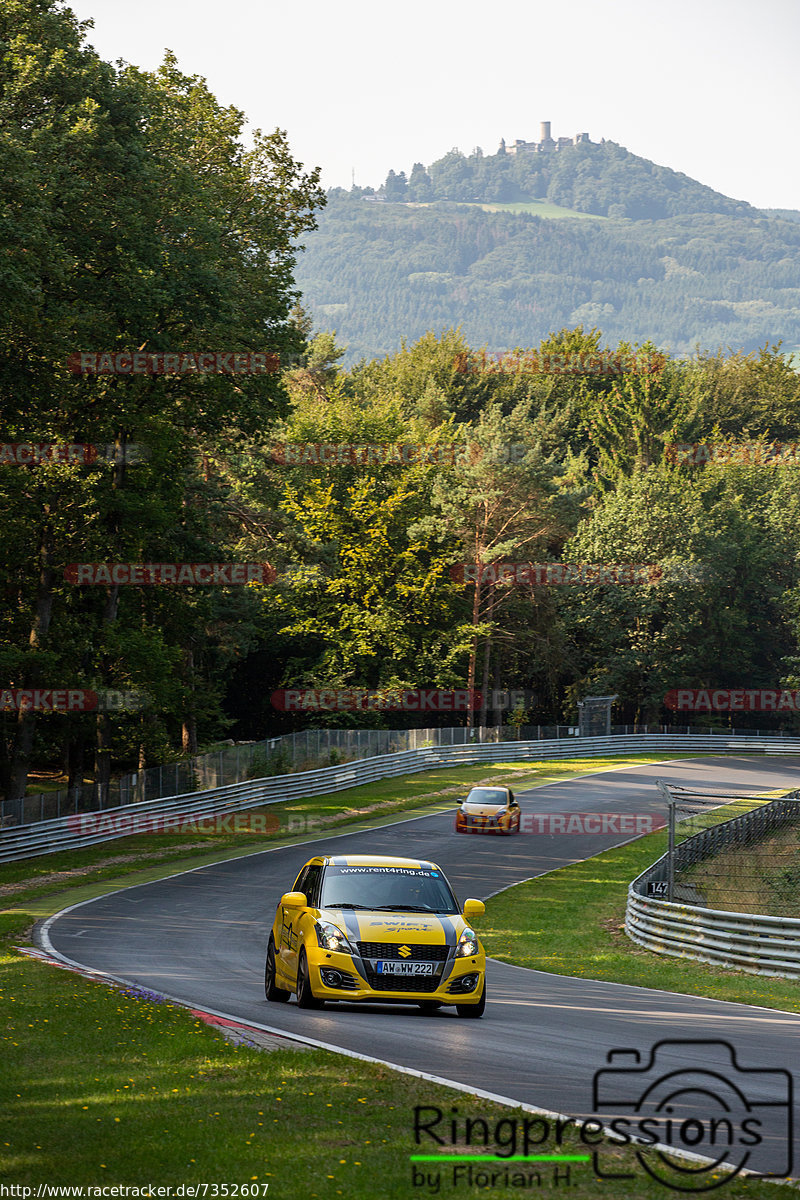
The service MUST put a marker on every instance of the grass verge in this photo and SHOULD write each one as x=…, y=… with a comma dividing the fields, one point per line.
x=765, y=879
x=102, y=1088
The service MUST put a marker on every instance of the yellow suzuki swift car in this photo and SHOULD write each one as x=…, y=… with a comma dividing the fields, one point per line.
x=386, y=930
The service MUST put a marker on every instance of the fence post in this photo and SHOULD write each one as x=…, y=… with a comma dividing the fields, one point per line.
x=665, y=792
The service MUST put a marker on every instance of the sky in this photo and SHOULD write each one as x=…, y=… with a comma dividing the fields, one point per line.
x=707, y=87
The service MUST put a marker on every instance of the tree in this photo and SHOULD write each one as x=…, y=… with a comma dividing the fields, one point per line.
x=713, y=618
x=420, y=188
x=143, y=223
x=396, y=187
x=494, y=509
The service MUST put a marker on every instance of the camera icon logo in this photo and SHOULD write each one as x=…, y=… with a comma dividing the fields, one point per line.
x=692, y=1097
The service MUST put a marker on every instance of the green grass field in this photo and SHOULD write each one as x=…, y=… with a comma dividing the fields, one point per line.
x=539, y=208
x=536, y=208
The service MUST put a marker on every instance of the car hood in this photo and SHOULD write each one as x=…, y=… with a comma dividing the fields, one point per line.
x=483, y=810
x=432, y=928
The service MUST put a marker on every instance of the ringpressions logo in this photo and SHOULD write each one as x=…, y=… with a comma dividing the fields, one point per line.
x=685, y=1114
x=529, y=1153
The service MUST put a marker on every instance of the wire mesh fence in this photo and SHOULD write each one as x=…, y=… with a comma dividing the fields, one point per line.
x=734, y=853
x=305, y=750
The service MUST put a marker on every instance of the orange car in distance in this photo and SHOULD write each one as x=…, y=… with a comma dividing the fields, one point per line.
x=488, y=810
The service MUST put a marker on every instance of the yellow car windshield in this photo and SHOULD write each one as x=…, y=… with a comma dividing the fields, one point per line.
x=395, y=889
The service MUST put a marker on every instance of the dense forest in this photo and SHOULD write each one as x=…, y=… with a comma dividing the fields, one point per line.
x=657, y=255
x=138, y=221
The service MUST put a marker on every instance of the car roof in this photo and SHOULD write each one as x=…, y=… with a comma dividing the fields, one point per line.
x=377, y=860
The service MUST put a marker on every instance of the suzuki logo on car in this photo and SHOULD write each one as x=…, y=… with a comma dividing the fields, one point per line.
x=405, y=951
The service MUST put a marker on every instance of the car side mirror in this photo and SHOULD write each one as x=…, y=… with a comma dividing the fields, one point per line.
x=473, y=908
x=461, y=801
x=294, y=900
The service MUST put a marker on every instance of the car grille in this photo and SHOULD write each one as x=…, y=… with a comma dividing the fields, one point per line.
x=402, y=983
x=423, y=953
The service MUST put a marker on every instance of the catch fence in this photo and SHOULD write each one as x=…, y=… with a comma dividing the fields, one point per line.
x=728, y=889
x=65, y=832
x=309, y=749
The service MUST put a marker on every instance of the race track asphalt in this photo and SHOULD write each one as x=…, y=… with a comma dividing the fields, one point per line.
x=200, y=937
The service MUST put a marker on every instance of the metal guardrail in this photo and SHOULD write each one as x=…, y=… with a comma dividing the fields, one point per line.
x=760, y=945
x=45, y=837
x=48, y=836
x=305, y=750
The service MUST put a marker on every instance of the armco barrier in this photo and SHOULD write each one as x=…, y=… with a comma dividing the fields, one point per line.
x=303, y=750
x=761, y=945
x=44, y=837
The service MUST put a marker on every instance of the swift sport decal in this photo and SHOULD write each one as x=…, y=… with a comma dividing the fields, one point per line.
x=375, y=929
x=399, y=926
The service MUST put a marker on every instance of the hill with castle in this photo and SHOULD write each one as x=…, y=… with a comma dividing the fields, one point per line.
x=600, y=178
x=548, y=234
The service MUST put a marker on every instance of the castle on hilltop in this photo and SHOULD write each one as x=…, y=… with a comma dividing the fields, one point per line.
x=547, y=142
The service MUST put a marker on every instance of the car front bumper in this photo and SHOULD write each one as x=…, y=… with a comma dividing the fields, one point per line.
x=480, y=825
x=460, y=981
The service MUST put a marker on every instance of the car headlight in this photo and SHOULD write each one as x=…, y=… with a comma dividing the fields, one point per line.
x=330, y=937
x=467, y=944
